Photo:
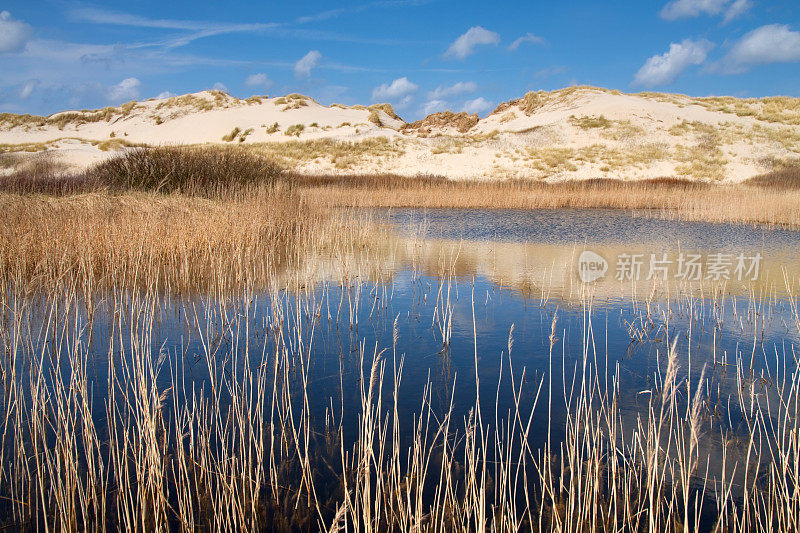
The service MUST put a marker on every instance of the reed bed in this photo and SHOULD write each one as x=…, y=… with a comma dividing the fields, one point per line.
x=167, y=243
x=748, y=203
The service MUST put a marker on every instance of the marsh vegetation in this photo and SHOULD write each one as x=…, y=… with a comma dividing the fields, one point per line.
x=198, y=338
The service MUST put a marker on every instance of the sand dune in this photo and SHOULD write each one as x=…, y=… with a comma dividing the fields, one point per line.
x=574, y=133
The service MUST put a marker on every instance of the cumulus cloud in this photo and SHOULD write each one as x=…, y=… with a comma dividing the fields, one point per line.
x=27, y=88
x=258, y=80
x=465, y=44
x=164, y=94
x=527, y=38
x=479, y=105
x=127, y=89
x=14, y=34
x=399, y=88
x=774, y=43
x=462, y=87
x=302, y=69
x=678, y=9
x=219, y=86
x=665, y=68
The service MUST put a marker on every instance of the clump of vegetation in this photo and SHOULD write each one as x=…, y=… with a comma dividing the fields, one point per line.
x=244, y=134
x=386, y=108
x=622, y=130
x=588, y=122
x=552, y=160
x=189, y=170
x=704, y=160
x=232, y=135
x=462, y=122
x=294, y=130
x=508, y=117
x=274, y=127
x=375, y=118
x=292, y=101
x=783, y=175
x=112, y=145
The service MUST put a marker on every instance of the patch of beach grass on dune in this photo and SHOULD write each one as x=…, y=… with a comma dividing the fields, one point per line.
x=552, y=161
x=703, y=160
x=341, y=154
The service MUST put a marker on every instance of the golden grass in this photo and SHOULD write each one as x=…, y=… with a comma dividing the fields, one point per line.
x=164, y=243
x=667, y=198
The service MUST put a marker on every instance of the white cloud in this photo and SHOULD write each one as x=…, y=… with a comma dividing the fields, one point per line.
x=527, y=38
x=665, y=68
x=478, y=105
x=27, y=88
x=678, y=9
x=433, y=106
x=774, y=43
x=739, y=7
x=399, y=88
x=219, y=86
x=127, y=89
x=461, y=87
x=14, y=34
x=164, y=94
x=258, y=80
x=302, y=69
x=465, y=45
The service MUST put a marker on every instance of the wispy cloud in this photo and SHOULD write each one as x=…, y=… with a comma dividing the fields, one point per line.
x=465, y=45
x=303, y=67
x=338, y=12
x=527, y=38
x=549, y=72
x=27, y=88
x=730, y=9
x=259, y=80
x=665, y=68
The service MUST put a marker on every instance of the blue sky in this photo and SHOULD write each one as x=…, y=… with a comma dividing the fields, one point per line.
x=420, y=55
